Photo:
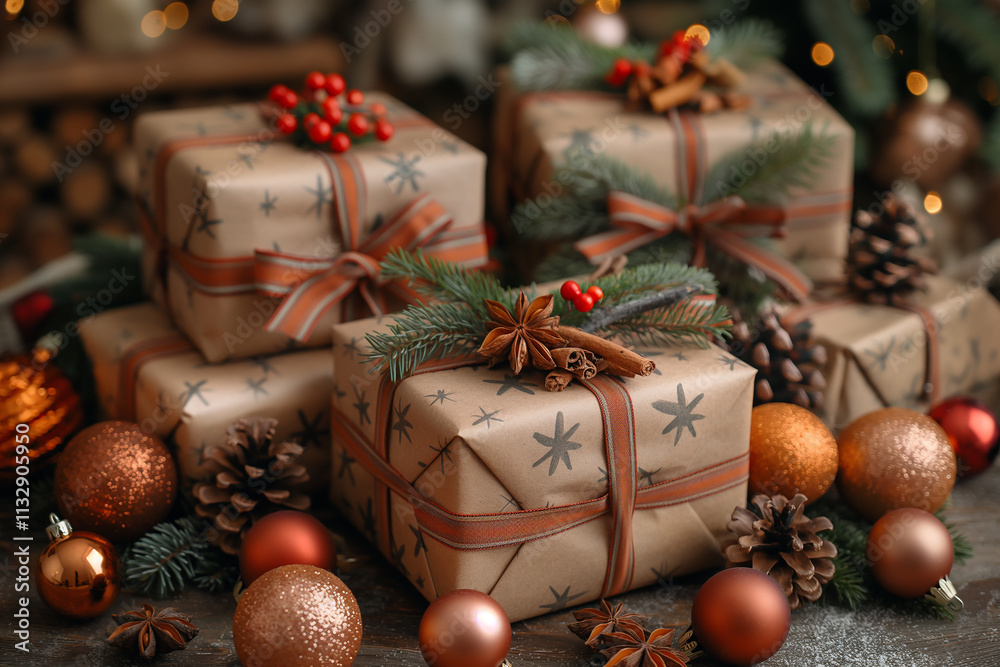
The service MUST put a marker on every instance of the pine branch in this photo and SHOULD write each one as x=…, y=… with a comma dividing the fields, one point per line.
x=165, y=559
x=970, y=25
x=444, y=281
x=691, y=324
x=865, y=78
x=746, y=43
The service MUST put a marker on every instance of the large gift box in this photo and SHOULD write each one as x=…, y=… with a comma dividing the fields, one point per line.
x=147, y=372
x=467, y=477
x=254, y=243
x=878, y=356
x=536, y=132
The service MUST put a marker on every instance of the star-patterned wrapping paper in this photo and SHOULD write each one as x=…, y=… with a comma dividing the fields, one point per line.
x=534, y=132
x=189, y=402
x=879, y=352
x=224, y=201
x=476, y=440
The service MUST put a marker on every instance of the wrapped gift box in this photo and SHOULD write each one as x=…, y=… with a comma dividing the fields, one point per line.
x=222, y=198
x=147, y=372
x=473, y=478
x=878, y=355
x=534, y=132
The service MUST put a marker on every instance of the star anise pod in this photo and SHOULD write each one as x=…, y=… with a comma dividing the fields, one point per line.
x=631, y=649
x=529, y=333
x=593, y=624
x=149, y=633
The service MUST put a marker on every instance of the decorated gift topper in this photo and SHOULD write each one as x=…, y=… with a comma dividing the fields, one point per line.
x=326, y=114
x=471, y=316
x=692, y=70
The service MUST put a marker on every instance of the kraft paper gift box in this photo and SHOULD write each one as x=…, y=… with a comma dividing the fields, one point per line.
x=236, y=219
x=534, y=133
x=878, y=355
x=474, y=478
x=147, y=372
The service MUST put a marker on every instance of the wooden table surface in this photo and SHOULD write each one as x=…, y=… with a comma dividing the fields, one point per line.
x=820, y=636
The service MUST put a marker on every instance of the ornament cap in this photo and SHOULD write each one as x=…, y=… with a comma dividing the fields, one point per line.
x=945, y=595
x=58, y=527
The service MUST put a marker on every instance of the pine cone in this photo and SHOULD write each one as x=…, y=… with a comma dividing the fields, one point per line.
x=787, y=361
x=882, y=265
x=781, y=542
x=253, y=476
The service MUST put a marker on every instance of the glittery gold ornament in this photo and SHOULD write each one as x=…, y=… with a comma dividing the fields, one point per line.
x=297, y=616
x=791, y=451
x=34, y=392
x=894, y=458
x=115, y=480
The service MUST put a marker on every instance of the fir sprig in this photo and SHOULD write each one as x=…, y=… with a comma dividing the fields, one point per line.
x=173, y=555
x=747, y=42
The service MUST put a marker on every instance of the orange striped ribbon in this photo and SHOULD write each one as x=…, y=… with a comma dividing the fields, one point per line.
x=134, y=358
x=467, y=532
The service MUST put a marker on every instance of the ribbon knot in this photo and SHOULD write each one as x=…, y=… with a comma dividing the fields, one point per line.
x=727, y=224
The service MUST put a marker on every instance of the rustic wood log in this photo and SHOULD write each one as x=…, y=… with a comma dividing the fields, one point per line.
x=15, y=124
x=15, y=196
x=86, y=191
x=46, y=235
x=34, y=157
x=71, y=125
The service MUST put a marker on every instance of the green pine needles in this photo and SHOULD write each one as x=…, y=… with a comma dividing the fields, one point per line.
x=453, y=322
x=174, y=555
x=853, y=585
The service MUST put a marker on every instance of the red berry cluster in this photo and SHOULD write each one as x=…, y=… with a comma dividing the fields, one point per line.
x=327, y=114
x=681, y=46
x=582, y=301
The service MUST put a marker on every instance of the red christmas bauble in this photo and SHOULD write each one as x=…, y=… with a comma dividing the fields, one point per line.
x=285, y=538
x=972, y=430
x=909, y=550
x=741, y=616
x=465, y=628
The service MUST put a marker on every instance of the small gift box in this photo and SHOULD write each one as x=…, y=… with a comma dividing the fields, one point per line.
x=467, y=477
x=943, y=343
x=255, y=244
x=147, y=372
x=537, y=134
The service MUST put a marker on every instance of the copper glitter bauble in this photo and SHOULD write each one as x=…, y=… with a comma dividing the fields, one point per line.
x=741, y=616
x=464, y=628
x=297, y=616
x=34, y=392
x=78, y=574
x=894, y=458
x=972, y=430
x=791, y=451
x=285, y=538
x=909, y=551
x=115, y=480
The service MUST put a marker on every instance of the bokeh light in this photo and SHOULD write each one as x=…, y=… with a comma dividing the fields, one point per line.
x=557, y=21
x=916, y=82
x=609, y=6
x=13, y=7
x=699, y=31
x=225, y=10
x=883, y=46
x=932, y=202
x=177, y=15
x=822, y=54
x=153, y=24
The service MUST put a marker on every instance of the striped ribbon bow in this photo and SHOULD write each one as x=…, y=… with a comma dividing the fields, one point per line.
x=727, y=224
x=310, y=286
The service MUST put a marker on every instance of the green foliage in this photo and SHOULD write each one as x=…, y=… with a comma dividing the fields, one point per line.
x=866, y=79
x=173, y=555
x=746, y=43
x=853, y=584
x=454, y=324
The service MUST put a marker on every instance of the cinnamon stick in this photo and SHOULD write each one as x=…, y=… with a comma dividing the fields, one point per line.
x=677, y=93
x=619, y=358
x=558, y=379
x=576, y=360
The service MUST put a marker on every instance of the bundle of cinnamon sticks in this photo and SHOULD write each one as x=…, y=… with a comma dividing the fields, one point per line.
x=585, y=355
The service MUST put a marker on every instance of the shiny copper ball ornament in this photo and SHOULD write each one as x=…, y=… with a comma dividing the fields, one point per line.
x=115, y=480
x=791, y=451
x=909, y=551
x=465, y=628
x=741, y=616
x=894, y=458
x=972, y=430
x=34, y=395
x=78, y=574
x=285, y=538
x=297, y=616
